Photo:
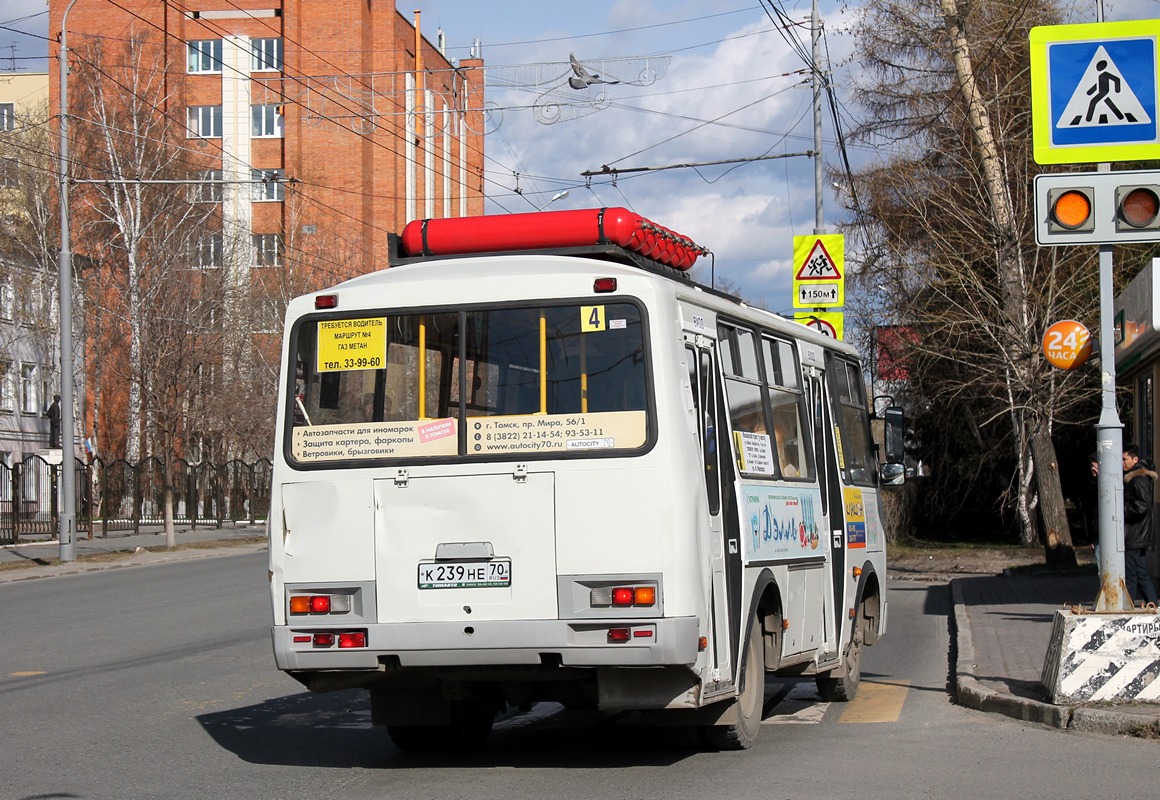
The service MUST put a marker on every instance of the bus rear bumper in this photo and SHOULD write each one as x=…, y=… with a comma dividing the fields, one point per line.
x=569, y=643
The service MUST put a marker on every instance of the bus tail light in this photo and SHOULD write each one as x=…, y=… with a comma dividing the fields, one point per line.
x=604, y=285
x=324, y=301
x=324, y=640
x=623, y=596
x=352, y=639
x=619, y=634
x=320, y=604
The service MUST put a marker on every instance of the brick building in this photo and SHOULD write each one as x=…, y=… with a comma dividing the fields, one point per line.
x=315, y=129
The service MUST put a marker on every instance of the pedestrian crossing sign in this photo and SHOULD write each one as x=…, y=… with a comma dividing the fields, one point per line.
x=1094, y=92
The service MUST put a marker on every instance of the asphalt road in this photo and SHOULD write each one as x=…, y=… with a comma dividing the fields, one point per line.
x=158, y=682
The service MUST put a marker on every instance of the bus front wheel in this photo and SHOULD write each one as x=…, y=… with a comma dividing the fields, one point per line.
x=741, y=734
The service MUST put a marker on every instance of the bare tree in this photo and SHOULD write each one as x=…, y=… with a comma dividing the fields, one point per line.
x=158, y=302
x=948, y=223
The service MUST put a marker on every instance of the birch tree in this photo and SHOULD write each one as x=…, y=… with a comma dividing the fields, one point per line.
x=948, y=219
x=157, y=308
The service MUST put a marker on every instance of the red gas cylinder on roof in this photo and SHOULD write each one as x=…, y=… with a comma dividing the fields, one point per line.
x=546, y=230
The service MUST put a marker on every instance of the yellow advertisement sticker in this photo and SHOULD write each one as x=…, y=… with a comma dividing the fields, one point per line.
x=345, y=344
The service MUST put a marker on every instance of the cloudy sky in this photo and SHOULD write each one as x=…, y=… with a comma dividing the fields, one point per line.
x=719, y=82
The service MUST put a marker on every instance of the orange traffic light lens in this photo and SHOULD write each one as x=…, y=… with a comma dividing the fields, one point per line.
x=1072, y=209
x=1140, y=207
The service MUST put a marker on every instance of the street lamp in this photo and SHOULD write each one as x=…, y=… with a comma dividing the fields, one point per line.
x=68, y=510
x=555, y=197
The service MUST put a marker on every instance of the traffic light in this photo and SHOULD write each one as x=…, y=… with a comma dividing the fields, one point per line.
x=1097, y=207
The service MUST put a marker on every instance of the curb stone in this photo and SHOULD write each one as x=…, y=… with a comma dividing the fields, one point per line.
x=971, y=693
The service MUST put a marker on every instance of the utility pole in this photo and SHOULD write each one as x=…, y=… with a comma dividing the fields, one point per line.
x=1113, y=594
x=816, y=58
x=68, y=510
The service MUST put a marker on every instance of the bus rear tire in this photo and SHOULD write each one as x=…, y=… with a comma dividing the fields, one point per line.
x=750, y=702
x=469, y=729
x=841, y=685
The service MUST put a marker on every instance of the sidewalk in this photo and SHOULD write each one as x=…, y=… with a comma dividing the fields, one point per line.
x=1003, y=629
x=138, y=549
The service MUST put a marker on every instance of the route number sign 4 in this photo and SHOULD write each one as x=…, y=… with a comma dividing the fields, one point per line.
x=1067, y=344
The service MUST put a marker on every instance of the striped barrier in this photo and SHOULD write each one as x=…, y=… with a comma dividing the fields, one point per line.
x=1098, y=657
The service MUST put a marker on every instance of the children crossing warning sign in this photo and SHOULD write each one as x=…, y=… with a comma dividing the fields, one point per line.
x=1094, y=92
x=819, y=271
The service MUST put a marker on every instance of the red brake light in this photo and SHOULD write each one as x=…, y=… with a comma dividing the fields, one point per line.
x=352, y=639
x=622, y=596
x=324, y=640
x=326, y=301
x=604, y=285
x=320, y=604
x=619, y=634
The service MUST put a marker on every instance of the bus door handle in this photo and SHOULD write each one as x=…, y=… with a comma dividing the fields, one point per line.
x=733, y=547
x=837, y=538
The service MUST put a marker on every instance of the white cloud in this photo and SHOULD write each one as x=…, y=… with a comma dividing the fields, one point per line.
x=747, y=214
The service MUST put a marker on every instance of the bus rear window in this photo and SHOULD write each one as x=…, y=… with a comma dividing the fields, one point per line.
x=469, y=383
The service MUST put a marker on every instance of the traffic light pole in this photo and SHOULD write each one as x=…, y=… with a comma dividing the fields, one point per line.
x=1113, y=595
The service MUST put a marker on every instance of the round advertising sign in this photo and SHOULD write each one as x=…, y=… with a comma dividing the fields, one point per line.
x=1067, y=344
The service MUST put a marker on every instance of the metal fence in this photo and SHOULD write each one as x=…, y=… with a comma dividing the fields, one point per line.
x=120, y=496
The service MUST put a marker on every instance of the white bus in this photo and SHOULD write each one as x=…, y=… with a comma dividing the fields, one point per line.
x=534, y=461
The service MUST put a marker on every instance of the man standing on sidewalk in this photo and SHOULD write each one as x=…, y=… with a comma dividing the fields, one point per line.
x=1138, y=533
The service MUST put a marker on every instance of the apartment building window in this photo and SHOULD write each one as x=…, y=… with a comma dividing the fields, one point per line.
x=6, y=297
x=205, y=55
x=7, y=116
x=9, y=173
x=267, y=121
x=205, y=122
x=29, y=396
x=265, y=55
x=5, y=385
x=212, y=190
x=209, y=249
x=30, y=303
x=268, y=249
x=271, y=187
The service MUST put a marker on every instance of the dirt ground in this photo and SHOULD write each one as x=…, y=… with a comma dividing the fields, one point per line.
x=919, y=561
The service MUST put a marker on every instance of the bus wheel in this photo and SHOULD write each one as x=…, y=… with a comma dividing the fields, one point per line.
x=741, y=734
x=841, y=684
x=469, y=729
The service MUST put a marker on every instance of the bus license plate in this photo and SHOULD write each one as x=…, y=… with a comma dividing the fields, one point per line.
x=465, y=574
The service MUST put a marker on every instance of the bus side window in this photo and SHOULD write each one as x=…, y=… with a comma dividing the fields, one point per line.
x=700, y=366
x=786, y=404
x=853, y=421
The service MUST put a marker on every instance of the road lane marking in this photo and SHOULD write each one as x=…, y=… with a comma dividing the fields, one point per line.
x=876, y=702
x=800, y=706
x=29, y=674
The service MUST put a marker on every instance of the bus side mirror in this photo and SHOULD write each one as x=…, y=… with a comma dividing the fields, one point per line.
x=894, y=438
x=893, y=474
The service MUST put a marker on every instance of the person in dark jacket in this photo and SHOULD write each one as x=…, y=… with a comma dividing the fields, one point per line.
x=1138, y=532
